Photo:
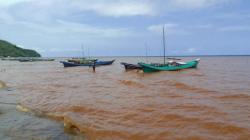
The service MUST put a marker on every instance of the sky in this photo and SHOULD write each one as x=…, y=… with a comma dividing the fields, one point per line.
x=57, y=28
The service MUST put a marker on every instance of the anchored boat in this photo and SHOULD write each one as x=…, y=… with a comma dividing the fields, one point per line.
x=128, y=66
x=170, y=66
x=82, y=60
x=97, y=63
x=35, y=59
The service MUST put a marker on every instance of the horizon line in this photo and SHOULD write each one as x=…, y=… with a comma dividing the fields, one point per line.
x=156, y=56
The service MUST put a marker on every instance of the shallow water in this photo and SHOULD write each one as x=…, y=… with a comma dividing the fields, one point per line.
x=211, y=102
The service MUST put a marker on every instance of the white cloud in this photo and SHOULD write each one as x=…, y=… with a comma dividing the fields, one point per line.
x=194, y=4
x=64, y=49
x=158, y=27
x=236, y=28
x=94, y=30
x=116, y=8
x=170, y=28
x=5, y=17
x=237, y=16
x=10, y=2
x=71, y=28
x=191, y=50
x=44, y=17
x=113, y=8
x=62, y=23
x=203, y=26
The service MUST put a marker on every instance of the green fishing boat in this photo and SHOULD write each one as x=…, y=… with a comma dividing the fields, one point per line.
x=170, y=66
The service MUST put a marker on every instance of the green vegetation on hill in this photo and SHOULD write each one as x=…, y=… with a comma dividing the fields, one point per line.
x=8, y=49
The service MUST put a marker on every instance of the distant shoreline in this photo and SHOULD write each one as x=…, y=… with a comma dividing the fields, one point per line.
x=159, y=56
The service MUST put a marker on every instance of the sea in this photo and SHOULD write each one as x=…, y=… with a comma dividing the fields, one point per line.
x=44, y=100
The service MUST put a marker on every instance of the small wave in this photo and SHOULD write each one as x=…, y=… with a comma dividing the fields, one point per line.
x=218, y=129
x=2, y=84
x=235, y=96
x=62, y=86
x=81, y=109
x=175, y=96
x=107, y=130
x=69, y=125
x=22, y=108
x=100, y=86
x=197, y=74
x=132, y=83
x=95, y=123
x=90, y=130
x=206, y=110
x=40, y=113
x=177, y=117
x=223, y=128
x=193, y=107
x=146, y=110
x=184, y=86
x=188, y=87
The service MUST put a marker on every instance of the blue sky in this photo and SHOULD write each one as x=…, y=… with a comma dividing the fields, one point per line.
x=123, y=27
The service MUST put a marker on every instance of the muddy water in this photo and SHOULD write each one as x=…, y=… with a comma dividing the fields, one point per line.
x=211, y=102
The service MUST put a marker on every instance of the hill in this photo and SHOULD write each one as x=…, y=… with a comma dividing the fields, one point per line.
x=11, y=50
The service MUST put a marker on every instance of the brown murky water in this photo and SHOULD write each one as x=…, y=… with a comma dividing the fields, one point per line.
x=211, y=102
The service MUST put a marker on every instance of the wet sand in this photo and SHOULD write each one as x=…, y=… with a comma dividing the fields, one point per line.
x=211, y=102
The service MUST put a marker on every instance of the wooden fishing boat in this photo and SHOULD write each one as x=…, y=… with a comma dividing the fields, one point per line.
x=128, y=66
x=10, y=59
x=170, y=66
x=71, y=64
x=25, y=60
x=34, y=59
x=97, y=63
x=81, y=60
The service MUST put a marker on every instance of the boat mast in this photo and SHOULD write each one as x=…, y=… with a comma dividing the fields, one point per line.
x=146, y=48
x=88, y=53
x=82, y=51
x=164, y=43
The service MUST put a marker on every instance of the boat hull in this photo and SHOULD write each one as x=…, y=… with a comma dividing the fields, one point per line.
x=34, y=59
x=70, y=64
x=98, y=63
x=128, y=66
x=147, y=68
x=81, y=60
